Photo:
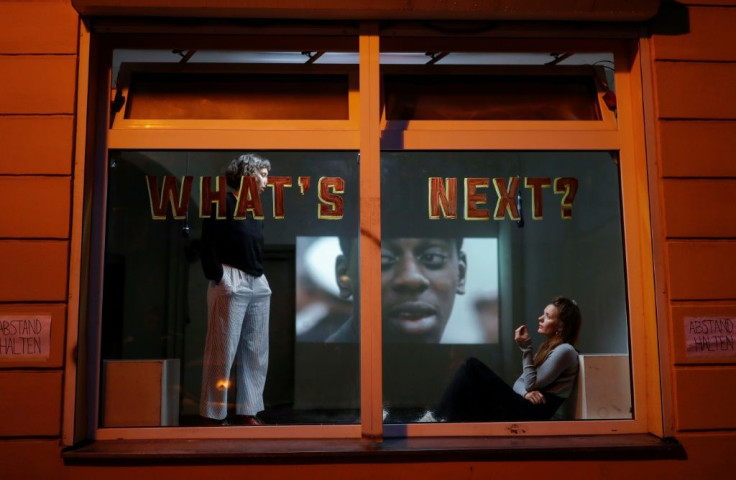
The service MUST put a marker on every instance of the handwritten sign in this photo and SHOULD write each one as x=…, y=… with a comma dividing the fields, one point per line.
x=710, y=336
x=24, y=337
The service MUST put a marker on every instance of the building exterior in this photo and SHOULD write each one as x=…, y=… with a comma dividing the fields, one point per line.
x=66, y=153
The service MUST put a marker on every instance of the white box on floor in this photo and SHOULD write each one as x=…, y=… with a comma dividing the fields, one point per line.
x=140, y=393
x=604, y=387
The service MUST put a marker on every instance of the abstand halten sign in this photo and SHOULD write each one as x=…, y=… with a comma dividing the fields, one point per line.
x=442, y=196
x=710, y=336
x=25, y=337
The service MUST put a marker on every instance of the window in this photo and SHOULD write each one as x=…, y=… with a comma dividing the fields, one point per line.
x=508, y=173
x=155, y=302
x=481, y=242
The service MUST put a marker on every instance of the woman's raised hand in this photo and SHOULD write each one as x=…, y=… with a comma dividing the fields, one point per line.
x=521, y=335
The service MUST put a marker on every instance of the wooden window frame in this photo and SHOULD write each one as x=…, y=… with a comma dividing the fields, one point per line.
x=125, y=132
x=362, y=132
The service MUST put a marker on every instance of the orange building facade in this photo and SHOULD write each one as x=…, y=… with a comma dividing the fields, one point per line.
x=676, y=136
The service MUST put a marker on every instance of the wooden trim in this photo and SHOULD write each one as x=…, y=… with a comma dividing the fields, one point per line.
x=371, y=353
x=367, y=138
x=38, y=28
x=289, y=35
x=695, y=90
x=75, y=242
x=27, y=77
x=123, y=84
x=499, y=139
x=227, y=138
x=699, y=208
x=94, y=212
x=280, y=37
x=705, y=39
x=680, y=142
x=694, y=383
x=699, y=270
x=47, y=216
x=440, y=449
x=516, y=430
x=34, y=398
x=596, y=10
x=230, y=432
x=19, y=282
x=637, y=237
x=606, y=122
x=659, y=264
x=48, y=140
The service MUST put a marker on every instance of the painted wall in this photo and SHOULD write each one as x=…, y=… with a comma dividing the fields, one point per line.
x=693, y=138
x=695, y=141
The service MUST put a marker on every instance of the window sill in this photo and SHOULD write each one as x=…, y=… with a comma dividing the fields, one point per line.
x=477, y=449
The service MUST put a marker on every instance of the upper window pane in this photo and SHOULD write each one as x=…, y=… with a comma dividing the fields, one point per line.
x=547, y=94
x=252, y=95
x=463, y=86
x=200, y=84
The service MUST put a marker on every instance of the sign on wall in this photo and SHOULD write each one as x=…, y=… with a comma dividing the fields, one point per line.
x=25, y=337
x=710, y=336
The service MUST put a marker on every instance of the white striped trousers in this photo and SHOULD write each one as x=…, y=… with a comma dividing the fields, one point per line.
x=237, y=329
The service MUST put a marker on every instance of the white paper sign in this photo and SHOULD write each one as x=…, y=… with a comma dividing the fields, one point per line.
x=25, y=337
x=710, y=336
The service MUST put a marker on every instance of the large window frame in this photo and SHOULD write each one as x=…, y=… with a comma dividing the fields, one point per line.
x=362, y=132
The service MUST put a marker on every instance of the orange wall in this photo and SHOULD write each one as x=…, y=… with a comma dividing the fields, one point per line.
x=694, y=109
x=38, y=62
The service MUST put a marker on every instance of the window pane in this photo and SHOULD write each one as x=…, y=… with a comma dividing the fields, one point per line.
x=476, y=244
x=534, y=96
x=238, y=96
x=158, y=300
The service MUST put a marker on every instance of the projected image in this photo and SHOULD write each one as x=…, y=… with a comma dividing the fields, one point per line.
x=434, y=290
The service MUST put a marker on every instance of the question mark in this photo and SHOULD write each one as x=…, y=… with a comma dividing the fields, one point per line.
x=568, y=186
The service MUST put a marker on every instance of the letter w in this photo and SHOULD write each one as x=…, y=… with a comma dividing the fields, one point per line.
x=169, y=194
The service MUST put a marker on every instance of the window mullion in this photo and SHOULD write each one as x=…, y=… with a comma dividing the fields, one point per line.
x=370, y=234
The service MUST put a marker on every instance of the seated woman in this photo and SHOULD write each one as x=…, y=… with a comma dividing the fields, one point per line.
x=477, y=394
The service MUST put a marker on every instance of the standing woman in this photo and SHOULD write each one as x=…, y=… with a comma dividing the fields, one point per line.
x=238, y=302
x=477, y=394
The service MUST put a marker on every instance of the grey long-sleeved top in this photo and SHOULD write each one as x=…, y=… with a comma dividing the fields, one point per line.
x=556, y=374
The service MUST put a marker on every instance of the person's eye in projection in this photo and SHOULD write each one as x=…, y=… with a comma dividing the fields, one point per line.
x=420, y=278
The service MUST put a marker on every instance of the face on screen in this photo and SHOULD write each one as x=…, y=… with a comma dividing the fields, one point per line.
x=419, y=280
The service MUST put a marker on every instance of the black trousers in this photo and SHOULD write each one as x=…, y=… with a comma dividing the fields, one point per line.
x=477, y=394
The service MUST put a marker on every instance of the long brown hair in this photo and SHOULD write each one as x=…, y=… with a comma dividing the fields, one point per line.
x=569, y=317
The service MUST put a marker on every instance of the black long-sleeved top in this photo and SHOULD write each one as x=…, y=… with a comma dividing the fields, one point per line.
x=237, y=243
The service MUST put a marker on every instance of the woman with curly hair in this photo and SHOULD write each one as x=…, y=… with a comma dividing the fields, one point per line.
x=238, y=302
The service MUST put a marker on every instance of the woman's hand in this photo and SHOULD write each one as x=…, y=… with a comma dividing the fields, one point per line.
x=521, y=335
x=535, y=397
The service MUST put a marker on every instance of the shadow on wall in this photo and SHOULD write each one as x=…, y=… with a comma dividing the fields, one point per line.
x=673, y=18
